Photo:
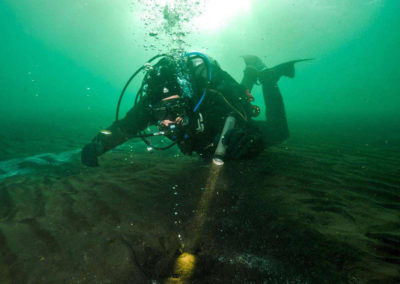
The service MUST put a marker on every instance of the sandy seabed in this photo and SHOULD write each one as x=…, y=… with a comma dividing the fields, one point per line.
x=315, y=212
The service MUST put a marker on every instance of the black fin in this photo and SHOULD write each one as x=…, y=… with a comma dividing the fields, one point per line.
x=287, y=68
x=272, y=75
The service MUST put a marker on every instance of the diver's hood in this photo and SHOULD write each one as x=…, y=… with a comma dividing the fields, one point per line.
x=162, y=81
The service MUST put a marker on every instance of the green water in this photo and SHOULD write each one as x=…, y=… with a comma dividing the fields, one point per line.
x=335, y=181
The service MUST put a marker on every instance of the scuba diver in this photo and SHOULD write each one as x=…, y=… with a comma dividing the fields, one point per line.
x=201, y=109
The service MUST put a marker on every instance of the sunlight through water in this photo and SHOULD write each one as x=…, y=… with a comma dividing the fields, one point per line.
x=218, y=14
x=169, y=22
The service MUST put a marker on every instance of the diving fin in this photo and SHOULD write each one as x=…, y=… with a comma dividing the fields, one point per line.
x=254, y=66
x=254, y=62
x=257, y=70
x=272, y=75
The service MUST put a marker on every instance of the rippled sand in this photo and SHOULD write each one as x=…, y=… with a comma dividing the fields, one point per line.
x=308, y=211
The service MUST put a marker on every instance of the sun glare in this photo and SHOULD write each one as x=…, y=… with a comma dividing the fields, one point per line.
x=214, y=14
x=218, y=14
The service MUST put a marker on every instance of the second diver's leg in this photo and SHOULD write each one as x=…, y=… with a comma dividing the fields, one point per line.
x=250, y=77
x=277, y=125
x=277, y=129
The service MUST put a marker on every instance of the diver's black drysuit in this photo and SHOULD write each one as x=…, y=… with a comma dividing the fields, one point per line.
x=224, y=97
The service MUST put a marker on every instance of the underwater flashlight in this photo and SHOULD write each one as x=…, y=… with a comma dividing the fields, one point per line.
x=221, y=148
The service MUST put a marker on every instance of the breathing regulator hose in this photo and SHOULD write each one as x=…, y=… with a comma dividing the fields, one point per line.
x=130, y=80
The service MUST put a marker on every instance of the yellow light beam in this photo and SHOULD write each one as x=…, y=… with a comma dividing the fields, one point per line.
x=186, y=262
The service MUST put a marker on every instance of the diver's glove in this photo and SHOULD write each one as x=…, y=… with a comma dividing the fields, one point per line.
x=89, y=155
x=242, y=143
